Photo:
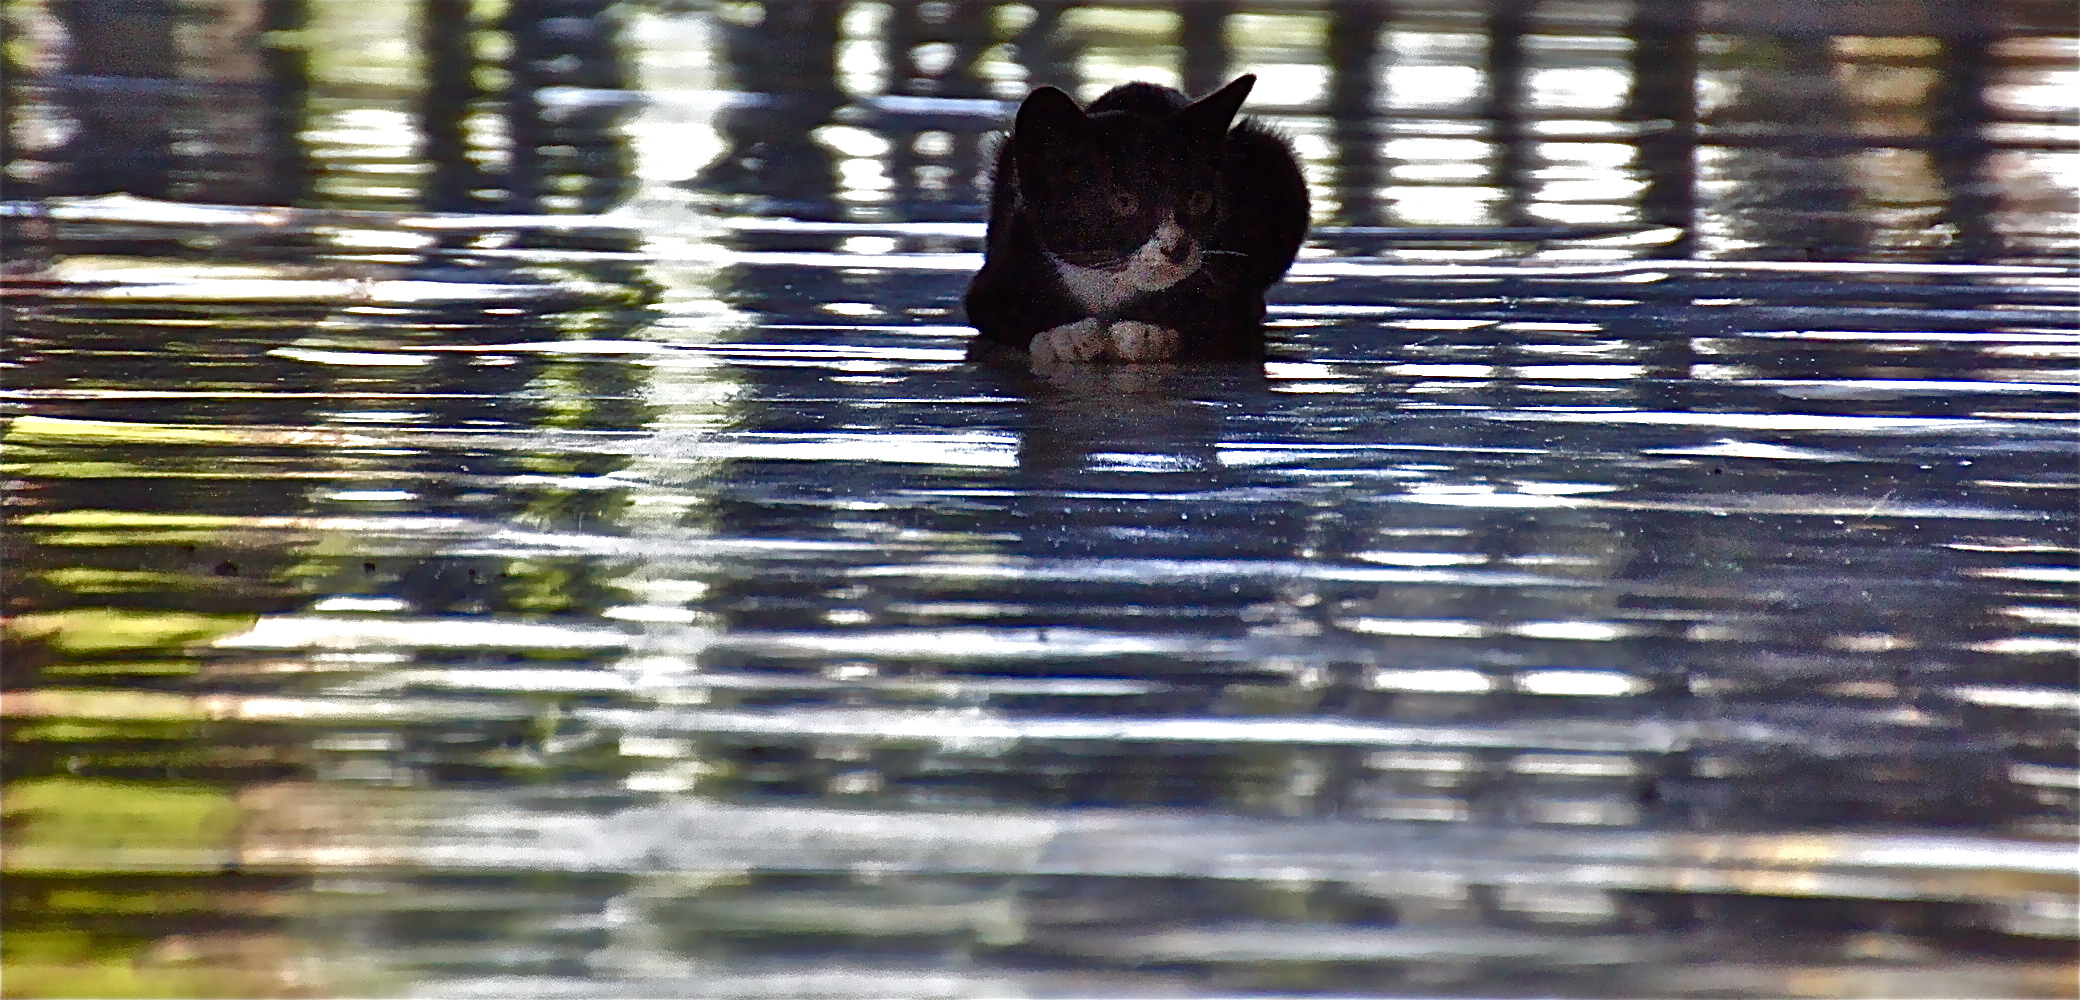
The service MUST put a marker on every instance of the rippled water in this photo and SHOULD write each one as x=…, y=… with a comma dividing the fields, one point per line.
x=431, y=590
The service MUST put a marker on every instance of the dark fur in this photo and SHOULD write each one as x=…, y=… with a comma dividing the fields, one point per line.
x=1055, y=185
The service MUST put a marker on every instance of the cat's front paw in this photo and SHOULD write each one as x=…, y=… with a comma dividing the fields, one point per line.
x=1071, y=343
x=1133, y=340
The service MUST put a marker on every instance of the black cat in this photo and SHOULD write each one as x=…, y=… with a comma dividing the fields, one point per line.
x=1143, y=229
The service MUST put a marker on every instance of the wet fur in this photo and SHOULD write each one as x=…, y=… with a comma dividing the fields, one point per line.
x=1069, y=277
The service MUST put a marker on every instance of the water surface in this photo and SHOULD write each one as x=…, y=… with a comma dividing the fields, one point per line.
x=496, y=508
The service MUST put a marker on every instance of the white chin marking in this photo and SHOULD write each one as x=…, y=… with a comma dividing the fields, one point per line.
x=1147, y=269
x=1158, y=276
x=1150, y=269
x=1097, y=291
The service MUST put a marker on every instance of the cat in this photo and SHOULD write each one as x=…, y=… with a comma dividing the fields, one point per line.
x=1142, y=229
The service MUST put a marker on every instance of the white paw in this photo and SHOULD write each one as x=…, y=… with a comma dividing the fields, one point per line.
x=1133, y=340
x=1070, y=343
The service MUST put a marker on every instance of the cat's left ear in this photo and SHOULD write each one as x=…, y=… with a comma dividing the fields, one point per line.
x=1215, y=112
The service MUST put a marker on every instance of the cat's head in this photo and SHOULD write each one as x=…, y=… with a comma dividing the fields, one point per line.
x=1135, y=190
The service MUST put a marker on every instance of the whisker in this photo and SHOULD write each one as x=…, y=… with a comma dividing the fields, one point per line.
x=1223, y=253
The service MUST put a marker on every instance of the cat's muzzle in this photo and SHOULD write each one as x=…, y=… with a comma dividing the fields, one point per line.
x=1169, y=256
x=1155, y=275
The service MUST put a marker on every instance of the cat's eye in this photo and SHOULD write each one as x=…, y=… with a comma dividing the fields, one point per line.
x=1199, y=203
x=1124, y=201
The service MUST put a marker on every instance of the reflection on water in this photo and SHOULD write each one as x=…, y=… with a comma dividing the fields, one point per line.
x=507, y=516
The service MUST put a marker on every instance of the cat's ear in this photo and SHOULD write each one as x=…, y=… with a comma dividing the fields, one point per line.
x=1048, y=110
x=1215, y=112
x=1048, y=127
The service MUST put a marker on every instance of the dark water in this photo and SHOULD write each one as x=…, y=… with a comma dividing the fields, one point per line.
x=565, y=555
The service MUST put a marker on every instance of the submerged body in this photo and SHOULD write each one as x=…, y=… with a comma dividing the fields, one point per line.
x=1145, y=228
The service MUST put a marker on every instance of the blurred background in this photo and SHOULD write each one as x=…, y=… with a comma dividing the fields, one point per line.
x=1938, y=129
x=494, y=507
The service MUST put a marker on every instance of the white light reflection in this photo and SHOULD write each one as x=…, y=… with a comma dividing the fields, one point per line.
x=653, y=613
x=2063, y=617
x=1580, y=373
x=1580, y=683
x=1432, y=681
x=1298, y=370
x=1414, y=87
x=1563, y=489
x=1577, y=765
x=1445, y=205
x=1284, y=50
x=1607, y=192
x=2029, y=645
x=377, y=239
x=371, y=496
x=1578, y=88
x=1448, y=628
x=849, y=141
x=1759, y=421
x=970, y=643
x=1558, y=904
x=986, y=731
x=1480, y=497
x=2033, y=574
x=295, y=632
x=1123, y=45
x=356, y=603
x=1000, y=65
x=2042, y=699
x=862, y=69
x=353, y=358
x=864, y=180
x=1444, y=371
x=1732, y=448
x=1397, y=558
x=933, y=58
x=973, y=450
x=1581, y=631
x=1289, y=85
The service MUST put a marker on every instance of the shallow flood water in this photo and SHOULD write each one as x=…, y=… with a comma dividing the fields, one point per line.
x=496, y=508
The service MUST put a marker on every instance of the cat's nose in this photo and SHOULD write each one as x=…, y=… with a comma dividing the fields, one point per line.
x=1178, y=252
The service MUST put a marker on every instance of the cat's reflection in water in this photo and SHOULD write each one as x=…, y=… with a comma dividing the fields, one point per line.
x=1126, y=380
x=1114, y=456
x=1087, y=418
